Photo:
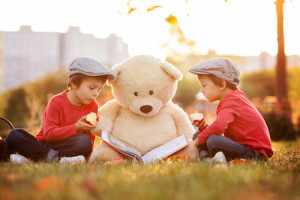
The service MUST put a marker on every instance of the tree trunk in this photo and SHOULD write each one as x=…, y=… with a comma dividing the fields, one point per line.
x=281, y=82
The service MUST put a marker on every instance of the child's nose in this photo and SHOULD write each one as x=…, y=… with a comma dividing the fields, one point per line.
x=95, y=93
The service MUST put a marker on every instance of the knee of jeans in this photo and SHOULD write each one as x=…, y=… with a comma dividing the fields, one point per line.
x=13, y=136
x=85, y=142
x=212, y=141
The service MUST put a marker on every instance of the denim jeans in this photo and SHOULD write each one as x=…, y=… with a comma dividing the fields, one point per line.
x=231, y=149
x=24, y=143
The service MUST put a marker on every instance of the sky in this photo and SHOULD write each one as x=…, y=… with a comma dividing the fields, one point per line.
x=239, y=27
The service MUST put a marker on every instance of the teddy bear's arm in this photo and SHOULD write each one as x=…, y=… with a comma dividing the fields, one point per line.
x=183, y=124
x=107, y=115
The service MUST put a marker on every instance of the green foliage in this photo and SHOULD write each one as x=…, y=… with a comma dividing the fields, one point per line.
x=258, y=84
x=166, y=180
x=294, y=83
x=186, y=91
x=16, y=110
x=45, y=87
x=294, y=91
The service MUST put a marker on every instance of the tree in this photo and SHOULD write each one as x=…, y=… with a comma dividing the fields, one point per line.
x=280, y=81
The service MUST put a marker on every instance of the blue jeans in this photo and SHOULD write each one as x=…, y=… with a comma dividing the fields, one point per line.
x=22, y=142
x=231, y=149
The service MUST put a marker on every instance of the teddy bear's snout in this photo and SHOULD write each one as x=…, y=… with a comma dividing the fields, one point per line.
x=146, y=108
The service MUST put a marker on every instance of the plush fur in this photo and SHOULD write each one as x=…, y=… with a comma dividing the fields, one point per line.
x=142, y=113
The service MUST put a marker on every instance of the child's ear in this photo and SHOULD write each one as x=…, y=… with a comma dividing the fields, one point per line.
x=224, y=85
x=72, y=86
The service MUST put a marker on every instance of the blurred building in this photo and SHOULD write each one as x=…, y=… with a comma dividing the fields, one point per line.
x=247, y=64
x=26, y=55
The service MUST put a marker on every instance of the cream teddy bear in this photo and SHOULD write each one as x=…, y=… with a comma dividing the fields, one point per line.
x=142, y=113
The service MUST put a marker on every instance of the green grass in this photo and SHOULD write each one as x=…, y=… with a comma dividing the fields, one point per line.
x=277, y=179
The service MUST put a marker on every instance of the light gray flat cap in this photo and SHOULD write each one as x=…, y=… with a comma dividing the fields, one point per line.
x=90, y=67
x=219, y=67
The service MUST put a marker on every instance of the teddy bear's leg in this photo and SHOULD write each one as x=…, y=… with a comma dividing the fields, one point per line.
x=104, y=152
x=191, y=151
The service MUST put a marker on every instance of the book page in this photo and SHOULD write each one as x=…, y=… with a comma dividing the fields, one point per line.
x=165, y=150
x=121, y=146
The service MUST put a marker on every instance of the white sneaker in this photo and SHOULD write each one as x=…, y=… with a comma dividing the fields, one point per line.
x=219, y=158
x=18, y=159
x=74, y=159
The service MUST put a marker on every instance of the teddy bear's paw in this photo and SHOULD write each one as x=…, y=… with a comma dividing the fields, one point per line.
x=104, y=153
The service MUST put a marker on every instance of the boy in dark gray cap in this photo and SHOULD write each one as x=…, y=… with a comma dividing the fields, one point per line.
x=239, y=131
x=65, y=132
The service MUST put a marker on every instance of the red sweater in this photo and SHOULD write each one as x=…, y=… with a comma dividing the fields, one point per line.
x=239, y=120
x=60, y=117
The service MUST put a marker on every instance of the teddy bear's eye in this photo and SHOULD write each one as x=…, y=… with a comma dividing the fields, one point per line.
x=136, y=94
x=150, y=92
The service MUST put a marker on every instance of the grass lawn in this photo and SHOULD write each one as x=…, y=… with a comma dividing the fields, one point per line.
x=277, y=179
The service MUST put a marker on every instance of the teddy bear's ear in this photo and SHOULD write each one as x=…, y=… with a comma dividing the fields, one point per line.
x=172, y=71
x=117, y=70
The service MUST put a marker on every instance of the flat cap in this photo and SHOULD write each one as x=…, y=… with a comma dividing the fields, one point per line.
x=90, y=67
x=219, y=67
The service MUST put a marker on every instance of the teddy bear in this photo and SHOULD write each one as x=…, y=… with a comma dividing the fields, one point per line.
x=142, y=113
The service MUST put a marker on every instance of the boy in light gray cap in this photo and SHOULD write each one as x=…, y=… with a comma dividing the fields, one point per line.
x=239, y=131
x=65, y=134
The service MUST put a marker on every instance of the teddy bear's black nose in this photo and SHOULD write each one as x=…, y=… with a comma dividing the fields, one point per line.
x=146, y=108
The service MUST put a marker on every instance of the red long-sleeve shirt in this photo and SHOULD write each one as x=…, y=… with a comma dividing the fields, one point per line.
x=239, y=121
x=60, y=117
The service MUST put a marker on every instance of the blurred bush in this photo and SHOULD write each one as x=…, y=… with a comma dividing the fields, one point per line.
x=280, y=126
x=294, y=92
x=258, y=84
x=186, y=91
x=16, y=109
x=51, y=84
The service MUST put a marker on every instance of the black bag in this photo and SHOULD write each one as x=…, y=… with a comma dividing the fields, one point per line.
x=4, y=150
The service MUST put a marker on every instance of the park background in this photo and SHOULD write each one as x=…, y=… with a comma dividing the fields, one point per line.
x=39, y=39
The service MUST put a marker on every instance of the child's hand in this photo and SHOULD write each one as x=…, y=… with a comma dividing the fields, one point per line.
x=198, y=121
x=82, y=125
x=200, y=124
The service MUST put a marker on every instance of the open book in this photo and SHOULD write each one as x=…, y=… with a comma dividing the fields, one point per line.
x=158, y=153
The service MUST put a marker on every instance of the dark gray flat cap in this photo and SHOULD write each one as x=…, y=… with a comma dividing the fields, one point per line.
x=219, y=67
x=90, y=67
